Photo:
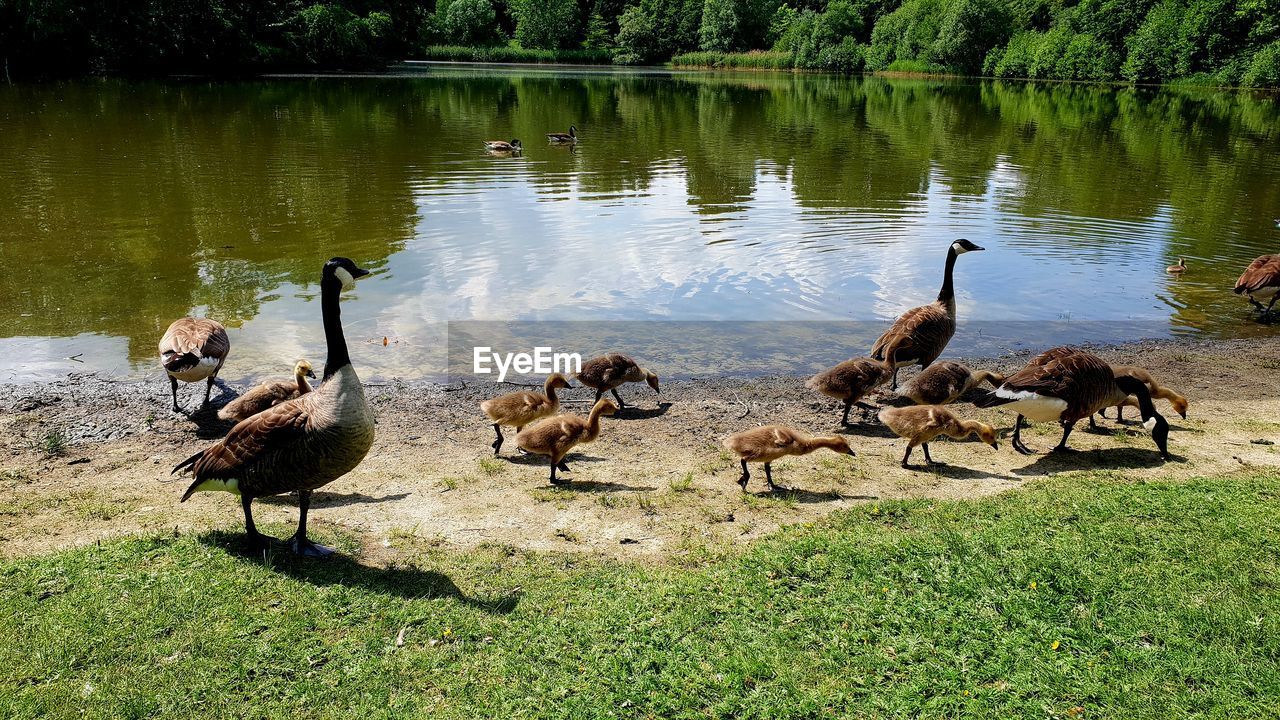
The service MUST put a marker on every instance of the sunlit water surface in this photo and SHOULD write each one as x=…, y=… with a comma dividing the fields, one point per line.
x=691, y=197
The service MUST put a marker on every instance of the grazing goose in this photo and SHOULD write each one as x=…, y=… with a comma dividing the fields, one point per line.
x=193, y=349
x=1260, y=281
x=502, y=146
x=850, y=381
x=607, y=372
x=556, y=436
x=561, y=138
x=942, y=383
x=1066, y=385
x=301, y=444
x=1157, y=391
x=269, y=393
x=921, y=423
x=770, y=442
x=1177, y=269
x=521, y=408
x=921, y=334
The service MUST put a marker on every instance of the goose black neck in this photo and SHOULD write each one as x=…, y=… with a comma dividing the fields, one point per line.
x=947, y=293
x=330, y=292
x=1138, y=389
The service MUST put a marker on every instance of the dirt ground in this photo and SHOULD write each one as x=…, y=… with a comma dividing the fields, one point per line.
x=87, y=458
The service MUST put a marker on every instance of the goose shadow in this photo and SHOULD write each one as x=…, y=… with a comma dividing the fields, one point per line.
x=1119, y=458
x=865, y=430
x=807, y=497
x=598, y=486
x=404, y=582
x=331, y=499
x=544, y=461
x=956, y=472
x=632, y=412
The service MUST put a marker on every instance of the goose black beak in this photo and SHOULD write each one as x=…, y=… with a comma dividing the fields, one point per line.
x=978, y=247
x=311, y=374
x=359, y=273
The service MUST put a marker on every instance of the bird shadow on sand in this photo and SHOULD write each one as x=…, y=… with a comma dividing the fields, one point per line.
x=1120, y=458
x=330, y=499
x=544, y=461
x=632, y=412
x=956, y=472
x=865, y=429
x=807, y=497
x=596, y=486
x=410, y=583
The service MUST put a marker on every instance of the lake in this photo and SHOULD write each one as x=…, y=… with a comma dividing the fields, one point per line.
x=797, y=213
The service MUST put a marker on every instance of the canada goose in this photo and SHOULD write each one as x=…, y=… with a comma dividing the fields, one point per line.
x=269, y=393
x=521, y=408
x=300, y=444
x=921, y=423
x=1066, y=385
x=556, y=436
x=502, y=146
x=561, y=138
x=609, y=371
x=193, y=349
x=1177, y=269
x=920, y=335
x=943, y=382
x=770, y=442
x=1260, y=281
x=850, y=381
x=1157, y=391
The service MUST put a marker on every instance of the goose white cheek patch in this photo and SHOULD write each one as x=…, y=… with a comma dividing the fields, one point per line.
x=348, y=282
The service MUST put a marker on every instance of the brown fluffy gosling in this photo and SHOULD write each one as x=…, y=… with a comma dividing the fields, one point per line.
x=524, y=407
x=921, y=423
x=851, y=381
x=556, y=436
x=942, y=383
x=1179, y=403
x=269, y=394
x=768, y=443
x=607, y=372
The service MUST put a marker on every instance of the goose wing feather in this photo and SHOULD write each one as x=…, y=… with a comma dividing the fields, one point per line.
x=607, y=371
x=1262, y=273
x=266, y=452
x=1081, y=379
x=918, y=337
x=199, y=336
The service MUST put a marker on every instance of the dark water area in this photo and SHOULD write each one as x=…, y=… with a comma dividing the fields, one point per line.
x=692, y=198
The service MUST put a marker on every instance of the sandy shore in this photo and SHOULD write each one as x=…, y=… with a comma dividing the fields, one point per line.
x=88, y=458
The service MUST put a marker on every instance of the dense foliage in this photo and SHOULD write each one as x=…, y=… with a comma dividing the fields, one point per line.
x=1235, y=42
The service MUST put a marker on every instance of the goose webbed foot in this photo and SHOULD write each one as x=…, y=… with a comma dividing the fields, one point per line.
x=303, y=547
x=257, y=542
x=1018, y=445
x=768, y=476
x=563, y=466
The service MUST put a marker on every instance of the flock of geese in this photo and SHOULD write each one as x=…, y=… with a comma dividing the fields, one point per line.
x=513, y=147
x=290, y=437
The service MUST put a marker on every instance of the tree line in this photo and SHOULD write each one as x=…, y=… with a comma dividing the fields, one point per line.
x=1224, y=42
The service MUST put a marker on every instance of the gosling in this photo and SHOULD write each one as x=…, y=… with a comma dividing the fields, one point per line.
x=556, y=436
x=942, y=383
x=921, y=423
x=269, y=394
x=1179, y=403
x=770, y=442
x=524, y=407
x=851, y=381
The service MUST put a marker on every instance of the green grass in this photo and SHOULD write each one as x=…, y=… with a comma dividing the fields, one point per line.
x=515, y=55
x=1134, y=600
x=754, y=60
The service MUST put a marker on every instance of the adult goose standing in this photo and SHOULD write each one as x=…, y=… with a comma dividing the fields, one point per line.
x=920, y=335
x=524, y=407
x=607, y=372
x=269, y=393
x=942, y=383
x=193, y=349
x=1260, y=281
x=301, y=444
x=560, y=138
x=1066, y=385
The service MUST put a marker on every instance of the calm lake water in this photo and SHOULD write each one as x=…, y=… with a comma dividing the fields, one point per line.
x=691, y=197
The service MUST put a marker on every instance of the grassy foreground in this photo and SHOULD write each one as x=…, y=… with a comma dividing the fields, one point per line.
x=1081, y=596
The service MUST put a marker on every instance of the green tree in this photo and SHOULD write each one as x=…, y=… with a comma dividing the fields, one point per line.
x=469, y=22
x=551, y=24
